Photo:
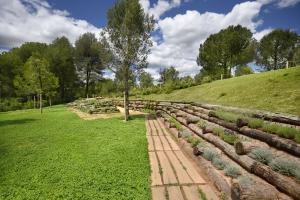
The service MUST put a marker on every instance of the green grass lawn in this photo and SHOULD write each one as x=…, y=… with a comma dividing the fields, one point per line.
x=277, y=91
x=57, y=155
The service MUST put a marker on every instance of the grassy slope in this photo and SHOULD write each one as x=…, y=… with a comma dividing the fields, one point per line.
x=59, y=156
x=277, y=91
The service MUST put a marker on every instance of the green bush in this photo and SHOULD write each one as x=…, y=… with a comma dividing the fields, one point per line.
x=282, y=131
x=232, y=171
x=217, y=131
x=176, y=124
x=202, y=124
x=285, y=167
x=219, y=163
x=210, y=154
x=262, y=155
x=229, y=138
x=228, y=116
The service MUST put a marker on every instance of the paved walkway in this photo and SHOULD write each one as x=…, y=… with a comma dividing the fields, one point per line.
x=173, y=175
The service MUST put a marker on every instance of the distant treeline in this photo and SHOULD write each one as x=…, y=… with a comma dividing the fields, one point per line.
x=59, y=72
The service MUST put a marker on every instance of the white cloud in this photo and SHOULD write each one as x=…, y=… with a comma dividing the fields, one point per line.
x=261, y=34
x=36, y=20
x=160, y=7
x=182, y=35
x=287, y=3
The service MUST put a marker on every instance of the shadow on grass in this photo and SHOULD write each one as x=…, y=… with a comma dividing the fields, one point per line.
x=15, y=122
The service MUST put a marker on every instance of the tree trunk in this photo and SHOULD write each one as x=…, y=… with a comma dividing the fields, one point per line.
x=41, y=103
x=34, y=102
x=126, y=99
x=50, y=102
x=87, y=83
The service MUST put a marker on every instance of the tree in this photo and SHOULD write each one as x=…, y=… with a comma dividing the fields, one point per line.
x=128, y=34
x=38, y=77
x=276, y=48
x=224, y=50
x=186, y=81
x=146, y=80
x=89, y=58
x=60, y=56
x=169, y=75
x=243, y=70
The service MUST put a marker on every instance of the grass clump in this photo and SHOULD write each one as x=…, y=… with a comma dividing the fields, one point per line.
x=202, y=124
x=209, y=154
x=226, y=137
x=232, y=171
x=219, y=163
x=175, y=123
x=227, y=116
x=262, y=155
x=202, y=195
x=193, y=141
x=282, y=131
x=255, y=123
x=285, y=167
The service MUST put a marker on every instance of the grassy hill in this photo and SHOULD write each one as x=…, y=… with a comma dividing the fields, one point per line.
x=276, y=91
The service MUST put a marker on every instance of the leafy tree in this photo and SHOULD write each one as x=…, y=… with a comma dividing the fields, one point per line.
x=243, y=70
x=89, y=59
x=106, y=87
x=146, y=80
x=128, y=32
x=276, y=48
x=224, y=50
x=10, y=65
x=169, y=75
x=186, y=81
x=38, y=77
x=60, y=56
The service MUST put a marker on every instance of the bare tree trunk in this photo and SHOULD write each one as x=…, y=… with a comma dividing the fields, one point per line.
x=50, y=102
x=41, y=103
x=126, y=99
x=87, y=84
x=34, y=102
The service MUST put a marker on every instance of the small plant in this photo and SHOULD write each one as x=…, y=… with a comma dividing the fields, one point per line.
x=227, y=116
x=185, y=133
x=217, y=131
x=282, y=131
x=219, y=163
x=262, y=155
x=176, y=124
x=202, y=195
x=202, y=124
x=223, y=196
x=229, y=138
x=232, y=171
x=255, y=123
x=209, y=154
x=284, y=167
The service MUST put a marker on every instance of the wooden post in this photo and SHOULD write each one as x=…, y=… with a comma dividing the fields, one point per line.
x=41, y=103
x=221, y=76
x=287, y=64
x=34, y=101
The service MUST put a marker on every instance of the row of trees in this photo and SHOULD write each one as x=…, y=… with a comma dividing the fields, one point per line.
x=234, y=47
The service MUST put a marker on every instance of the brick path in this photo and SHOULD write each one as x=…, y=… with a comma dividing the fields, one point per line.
x=173, y=175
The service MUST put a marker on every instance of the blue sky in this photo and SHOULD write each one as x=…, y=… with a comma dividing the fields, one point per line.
x=181, y=25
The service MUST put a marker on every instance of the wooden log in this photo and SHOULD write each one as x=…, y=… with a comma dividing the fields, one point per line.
x=241, y=122
x=245, y=147
x=273, y=140
x=249, y=189
x=192, y=119
x=283, y=183
x=276, y=118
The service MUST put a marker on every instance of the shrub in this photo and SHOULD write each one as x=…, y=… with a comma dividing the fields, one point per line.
x=255, y=123
x=217, y=131
x=262, y=155
x=229, y=138
x=185, y=133
x=194, y=141
x=282, y=131
x=285, y=167
x=202, y=195
x=176, y=124
x=232, y=171
x=219, y=163
x=210, y=154
x=202, y=124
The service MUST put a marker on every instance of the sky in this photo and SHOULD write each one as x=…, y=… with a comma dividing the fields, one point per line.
x=181, y=25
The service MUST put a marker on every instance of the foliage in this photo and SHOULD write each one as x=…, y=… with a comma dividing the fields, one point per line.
x=232, y=171
x=243, y=70
x=219, y=163
x=209, y=154
x=285, y=167
x=262, y=155
x=229, y=138
x=224, y=50
x=251, y=92
x=276, y=48
x=176, y=124
x=202, y=195
x=193, y=140
x=60, y=56
x=90, y=59
x=255, y=123
x=60, y=156
x=146, y=80
x=281, y=131
x=202, y=124
x=169, y=75
x=227, y=116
